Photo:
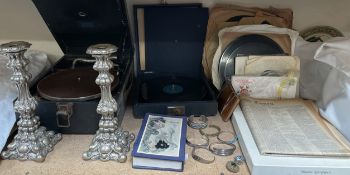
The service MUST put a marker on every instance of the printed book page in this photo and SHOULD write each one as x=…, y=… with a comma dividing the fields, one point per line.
x=291, y=127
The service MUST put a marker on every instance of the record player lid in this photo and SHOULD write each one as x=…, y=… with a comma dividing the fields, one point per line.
x=78, y=24
x=173, y=39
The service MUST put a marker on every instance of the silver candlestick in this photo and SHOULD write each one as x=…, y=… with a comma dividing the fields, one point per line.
x=110, y=142
x=32, y=141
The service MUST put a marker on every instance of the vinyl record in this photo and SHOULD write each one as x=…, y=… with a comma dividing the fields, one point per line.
x=172, y=89
x=320, y=33
x=252, y=44
x=71, y=85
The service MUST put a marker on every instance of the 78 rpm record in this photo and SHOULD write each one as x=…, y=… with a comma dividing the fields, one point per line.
x=320, y=33
x=71, y=85
x=251, y=44
x=171, y=89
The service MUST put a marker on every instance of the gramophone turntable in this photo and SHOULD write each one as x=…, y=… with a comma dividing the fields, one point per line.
x=68, y=95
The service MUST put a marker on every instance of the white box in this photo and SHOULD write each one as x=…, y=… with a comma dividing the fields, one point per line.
x=283, y=165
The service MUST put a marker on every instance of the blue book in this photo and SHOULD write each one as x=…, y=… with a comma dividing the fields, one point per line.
x=160, y=144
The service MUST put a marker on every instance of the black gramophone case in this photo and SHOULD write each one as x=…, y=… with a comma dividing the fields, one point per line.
x=71, y=108
x=169, y=49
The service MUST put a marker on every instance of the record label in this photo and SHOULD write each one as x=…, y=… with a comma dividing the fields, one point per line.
x=173, y=88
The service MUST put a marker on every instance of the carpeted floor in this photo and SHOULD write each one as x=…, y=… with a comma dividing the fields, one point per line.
x=66, y=158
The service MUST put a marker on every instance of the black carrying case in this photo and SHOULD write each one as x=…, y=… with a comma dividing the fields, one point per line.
x=75, y=26
x=173, y=37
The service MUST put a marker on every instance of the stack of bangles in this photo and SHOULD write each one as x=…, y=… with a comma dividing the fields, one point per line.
x=200, y=146
x=224, y=147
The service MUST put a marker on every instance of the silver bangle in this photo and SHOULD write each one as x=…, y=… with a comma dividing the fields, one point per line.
x=229, y=142
x=205, y=138
x=199, y=158
x=222, y=151
x=202, y=123
x=212, y=134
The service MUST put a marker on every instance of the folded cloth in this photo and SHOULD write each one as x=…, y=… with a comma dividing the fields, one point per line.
x=8, y=92
x=7, y=118
x=334, y=101
x=260, y=29
x=313, y=73
x=336, y=53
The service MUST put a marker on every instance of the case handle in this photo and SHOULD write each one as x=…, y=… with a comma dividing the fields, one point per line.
x=176, y=110
x=63, y=114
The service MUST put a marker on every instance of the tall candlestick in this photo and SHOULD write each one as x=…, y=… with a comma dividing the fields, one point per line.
x=110, y=142
x=32, y=141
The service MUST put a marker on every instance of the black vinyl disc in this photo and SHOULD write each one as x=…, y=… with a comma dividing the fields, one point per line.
x=172, y=89
x=252, y=44
x=72, y=85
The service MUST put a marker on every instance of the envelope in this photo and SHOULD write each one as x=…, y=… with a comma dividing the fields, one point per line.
x=257, y=65
x=267, y=87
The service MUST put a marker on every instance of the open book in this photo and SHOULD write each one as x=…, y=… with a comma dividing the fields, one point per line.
x=292, y=127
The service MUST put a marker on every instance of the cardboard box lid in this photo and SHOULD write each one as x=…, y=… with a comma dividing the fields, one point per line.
x=170, y=39
x=78, y=24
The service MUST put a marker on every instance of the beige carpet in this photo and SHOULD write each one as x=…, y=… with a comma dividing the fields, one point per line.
x=66, y=158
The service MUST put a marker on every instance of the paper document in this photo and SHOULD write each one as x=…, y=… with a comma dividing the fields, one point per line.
x=256, y=65
x=291, y=127
x=265, y=87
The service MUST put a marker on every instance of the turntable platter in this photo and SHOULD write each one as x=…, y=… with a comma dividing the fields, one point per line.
x=71, y=85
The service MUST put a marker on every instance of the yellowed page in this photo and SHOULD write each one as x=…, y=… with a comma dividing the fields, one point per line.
x=291, y=127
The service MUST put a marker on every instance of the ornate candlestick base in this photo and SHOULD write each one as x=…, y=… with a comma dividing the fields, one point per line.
x=31, y=142
x=34, y=146
x=109, y=146
x=110, y=142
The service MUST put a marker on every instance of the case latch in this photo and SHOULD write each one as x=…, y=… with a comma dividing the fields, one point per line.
x=176, y=110
x=63, y=114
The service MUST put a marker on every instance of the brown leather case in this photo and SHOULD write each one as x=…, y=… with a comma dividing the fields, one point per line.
x=228, y=100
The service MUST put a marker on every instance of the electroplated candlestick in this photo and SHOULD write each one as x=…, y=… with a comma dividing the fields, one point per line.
x=32, y=141
x=110, y=142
